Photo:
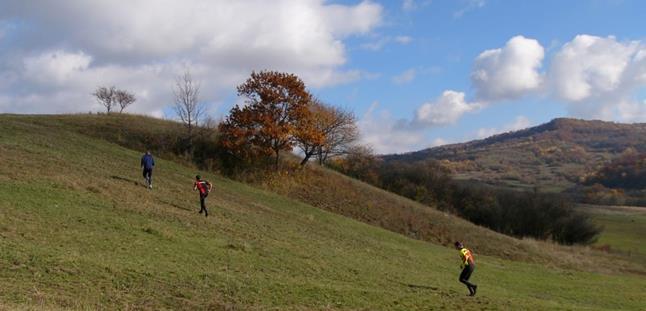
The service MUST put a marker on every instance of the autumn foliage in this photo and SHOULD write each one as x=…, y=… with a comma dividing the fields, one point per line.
x=277, y=108
x=280, y=114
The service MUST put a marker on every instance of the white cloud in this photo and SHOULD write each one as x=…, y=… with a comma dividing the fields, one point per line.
x=469, y=6
x=382, y=41
x=403, y=39
x=411, y=5
x=632, y=111
x=405, y=77
x=598, y=77
x=56, y=67
x=445, y=110
x=521, y=122
x=438, y=142
x=408, y=5
x=509, y=72
x=71, y=46
x=387, y=135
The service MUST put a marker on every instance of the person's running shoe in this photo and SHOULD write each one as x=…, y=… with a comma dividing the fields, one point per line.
x=474, y=288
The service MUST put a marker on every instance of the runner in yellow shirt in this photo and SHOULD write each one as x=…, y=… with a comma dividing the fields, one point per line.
x=468, y=265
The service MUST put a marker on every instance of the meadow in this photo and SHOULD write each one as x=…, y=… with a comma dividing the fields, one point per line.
x=78, y=230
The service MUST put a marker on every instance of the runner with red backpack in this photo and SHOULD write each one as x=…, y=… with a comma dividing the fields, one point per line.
x=204, y=187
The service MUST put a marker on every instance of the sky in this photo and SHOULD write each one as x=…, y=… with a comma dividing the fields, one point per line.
x=416, y=73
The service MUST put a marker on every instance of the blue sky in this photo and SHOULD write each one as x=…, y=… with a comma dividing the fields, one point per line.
x=416, y=73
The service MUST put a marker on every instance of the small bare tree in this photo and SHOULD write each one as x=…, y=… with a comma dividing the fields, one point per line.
x=329, y=132
x=187, y=105
x=105, y=96
x=341, y=133
x=124, y=99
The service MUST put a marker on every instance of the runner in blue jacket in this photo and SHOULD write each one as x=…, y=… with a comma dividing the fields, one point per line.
x=147, y=164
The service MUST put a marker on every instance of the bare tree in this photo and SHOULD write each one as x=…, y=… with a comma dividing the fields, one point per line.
x=124, y=99
x=341, y=134
x=331, y=131
x=187, y=105
x=105, y=97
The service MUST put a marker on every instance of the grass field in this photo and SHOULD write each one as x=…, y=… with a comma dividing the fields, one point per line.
x=624, y=229
x=79, y=231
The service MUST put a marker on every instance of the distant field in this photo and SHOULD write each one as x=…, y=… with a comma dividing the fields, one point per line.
x=624, y=228
x=79, y=231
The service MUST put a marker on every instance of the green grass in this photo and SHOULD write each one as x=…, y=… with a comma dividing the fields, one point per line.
x=624, y=228
x=79, y=231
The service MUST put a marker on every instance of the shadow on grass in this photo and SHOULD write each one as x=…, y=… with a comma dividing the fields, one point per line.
x=416, y=286
x=119, y=178
x=174, y=205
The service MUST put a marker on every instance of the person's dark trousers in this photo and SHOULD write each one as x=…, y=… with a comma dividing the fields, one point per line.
x=203, y=204
x=148, y=175
x=464, y=278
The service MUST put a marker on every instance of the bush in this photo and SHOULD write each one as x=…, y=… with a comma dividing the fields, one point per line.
x=519, y=214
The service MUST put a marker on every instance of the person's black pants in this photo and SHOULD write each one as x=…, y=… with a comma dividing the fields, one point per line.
x=465, y=275
x=203, y=204
x=148, y=175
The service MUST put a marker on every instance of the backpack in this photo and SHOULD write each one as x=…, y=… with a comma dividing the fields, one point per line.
x=203, y=186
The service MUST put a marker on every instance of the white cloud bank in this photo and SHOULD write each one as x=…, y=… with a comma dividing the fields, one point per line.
x=509, y=72
x=387, y=135
x=445, y=110
x=599, y=76
x=405, y=77
x=62, y=50
x=596, y=77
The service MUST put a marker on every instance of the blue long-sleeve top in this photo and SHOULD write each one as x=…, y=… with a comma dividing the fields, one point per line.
x=147, y=161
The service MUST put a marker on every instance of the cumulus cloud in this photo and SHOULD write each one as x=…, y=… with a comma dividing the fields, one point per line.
x=388, y=135
x=445, y=110
x=69, y=47
x=405, y=77
x=598, y=76
x=521, y=122
x=508, y=72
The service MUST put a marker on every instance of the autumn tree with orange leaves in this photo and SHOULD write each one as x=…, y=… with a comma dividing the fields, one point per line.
x=276, y=111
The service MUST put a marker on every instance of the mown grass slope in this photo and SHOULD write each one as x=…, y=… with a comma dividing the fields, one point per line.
x=624, y=229
x=79, y=231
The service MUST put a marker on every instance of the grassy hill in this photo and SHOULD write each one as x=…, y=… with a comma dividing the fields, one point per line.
x=625, y=228
x=553, y=156
x=79, y=231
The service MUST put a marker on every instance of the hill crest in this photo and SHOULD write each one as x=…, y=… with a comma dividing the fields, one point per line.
x=559, y=152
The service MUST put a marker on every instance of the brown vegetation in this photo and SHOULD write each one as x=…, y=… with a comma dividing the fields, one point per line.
x=276, y=105
x=553, y=156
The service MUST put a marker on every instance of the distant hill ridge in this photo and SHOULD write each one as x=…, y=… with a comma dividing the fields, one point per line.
x=555, y=154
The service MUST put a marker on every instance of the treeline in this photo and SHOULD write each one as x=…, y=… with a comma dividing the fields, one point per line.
x=622, y=181
x=278, y=115
x=519, y=214
x=628, y=171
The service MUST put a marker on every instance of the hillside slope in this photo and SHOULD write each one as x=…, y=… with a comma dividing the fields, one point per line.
x=79, y=231
x=337, y=193
x=553, y=156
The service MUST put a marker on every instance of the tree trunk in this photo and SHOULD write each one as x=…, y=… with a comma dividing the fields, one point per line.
x=308, y=155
